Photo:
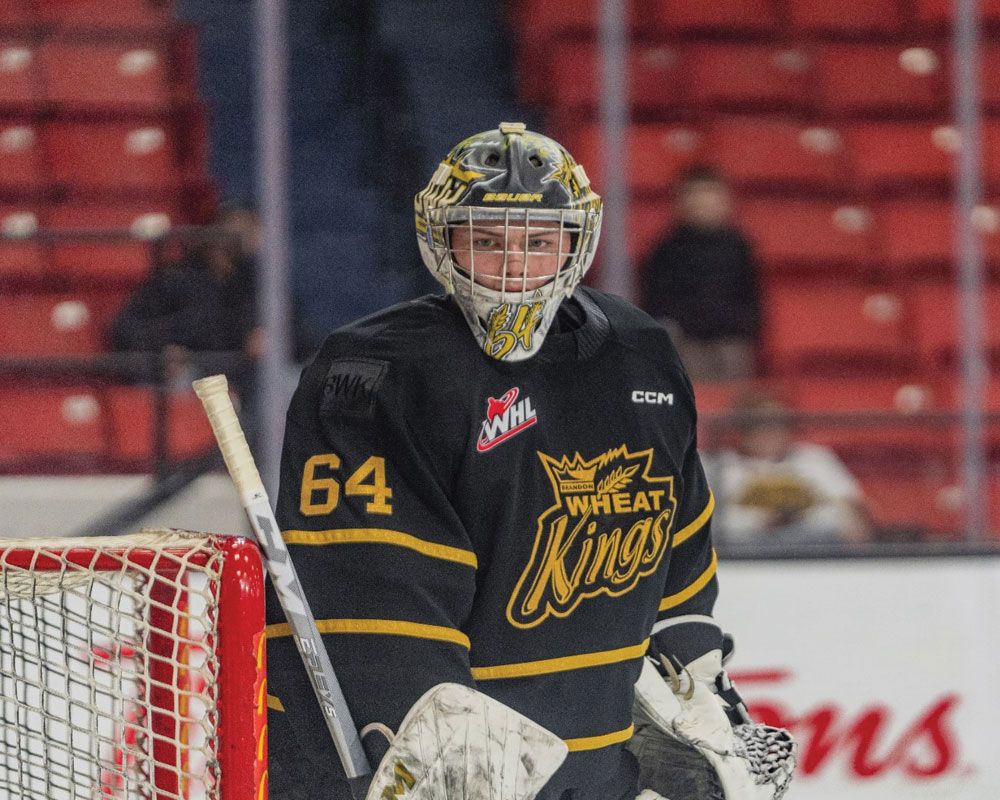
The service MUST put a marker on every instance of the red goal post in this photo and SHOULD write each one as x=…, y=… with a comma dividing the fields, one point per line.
x=132, y=667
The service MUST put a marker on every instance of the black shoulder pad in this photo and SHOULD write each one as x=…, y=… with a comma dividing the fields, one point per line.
x=352, y=386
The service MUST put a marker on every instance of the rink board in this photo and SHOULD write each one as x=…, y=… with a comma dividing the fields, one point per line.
x=885, y=670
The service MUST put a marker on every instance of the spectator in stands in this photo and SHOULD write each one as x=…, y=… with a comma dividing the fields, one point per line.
x=701, y=281
x=197, y=299
x=772, y=488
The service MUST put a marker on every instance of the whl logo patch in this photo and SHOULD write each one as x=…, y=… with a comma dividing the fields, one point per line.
x=506, y=416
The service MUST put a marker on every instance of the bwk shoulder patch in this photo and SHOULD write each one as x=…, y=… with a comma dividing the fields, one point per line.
x=352, y=385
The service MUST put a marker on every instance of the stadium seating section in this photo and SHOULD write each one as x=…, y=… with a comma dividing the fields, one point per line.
x=102, y=149
x=833, y=122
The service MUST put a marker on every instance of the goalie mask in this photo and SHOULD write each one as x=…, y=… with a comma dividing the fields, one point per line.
x=508, y=225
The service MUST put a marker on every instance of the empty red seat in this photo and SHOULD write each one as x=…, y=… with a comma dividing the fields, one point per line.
x=936, y=13
x=123, y=257
x=115, y=76
x=760, y=150
x=16, y=14
x=809, y=235
x=899, y=154
x=19, y=259
x=867, y=79
x=654, y=77
x=923, y=503
x=107, y=15
x=828, y=326
x=918, y=236
x=936, y=322
x=857, y=16
x=18, y=74
x=871, y=415
x=111, y=157
x=50, y=424
x=656, y=153
x=735, y=16
x=537, y=25
x=20, y=160
x=42, y=325
x=132, y=414
x=739, y=76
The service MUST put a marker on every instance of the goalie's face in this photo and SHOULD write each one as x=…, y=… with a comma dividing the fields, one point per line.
x=515, y=257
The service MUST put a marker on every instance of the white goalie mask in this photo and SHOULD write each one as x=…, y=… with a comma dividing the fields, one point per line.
x=508, y=225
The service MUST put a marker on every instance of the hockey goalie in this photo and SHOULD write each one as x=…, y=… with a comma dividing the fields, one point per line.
x=508, y=555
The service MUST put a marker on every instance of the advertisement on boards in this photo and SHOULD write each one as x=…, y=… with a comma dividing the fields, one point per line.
x=887, y=671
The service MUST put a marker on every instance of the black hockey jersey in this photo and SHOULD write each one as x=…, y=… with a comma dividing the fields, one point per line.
x=524, y=528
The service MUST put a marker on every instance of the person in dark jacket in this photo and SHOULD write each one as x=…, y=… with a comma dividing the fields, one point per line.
x=197, y=301
x=701, y=282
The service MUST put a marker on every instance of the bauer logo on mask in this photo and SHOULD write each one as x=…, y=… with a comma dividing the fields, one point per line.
x=609, y=527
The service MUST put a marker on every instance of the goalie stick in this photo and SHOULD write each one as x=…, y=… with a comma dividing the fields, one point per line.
x=213, y=392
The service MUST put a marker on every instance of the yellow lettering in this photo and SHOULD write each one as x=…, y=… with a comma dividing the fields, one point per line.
x=621, y=503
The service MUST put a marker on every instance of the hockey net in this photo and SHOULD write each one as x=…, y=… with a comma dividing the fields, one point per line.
x=132, y=667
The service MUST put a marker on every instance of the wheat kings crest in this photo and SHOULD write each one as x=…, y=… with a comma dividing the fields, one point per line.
x=608, y=527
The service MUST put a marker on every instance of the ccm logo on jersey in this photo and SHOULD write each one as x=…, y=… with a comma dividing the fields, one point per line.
x=506, y=416
x=653, y=398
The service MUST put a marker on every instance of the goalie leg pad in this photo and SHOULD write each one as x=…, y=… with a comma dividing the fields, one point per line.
x=459, y=744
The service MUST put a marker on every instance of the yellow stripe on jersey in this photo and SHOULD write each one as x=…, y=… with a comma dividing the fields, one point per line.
x=387, y=627
x=692, y=589
x=596, y=742
x=382, y=536
x=561, y=664
x=275, y=703
x=696, y=524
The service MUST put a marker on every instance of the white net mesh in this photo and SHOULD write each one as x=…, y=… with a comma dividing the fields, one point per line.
x=108, y=669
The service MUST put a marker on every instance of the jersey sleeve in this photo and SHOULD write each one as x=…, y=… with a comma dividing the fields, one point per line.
x=386, y=565
x=685, y=627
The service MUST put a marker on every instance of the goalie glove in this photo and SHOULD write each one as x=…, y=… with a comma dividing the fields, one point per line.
x=458, y=744
x=699, y=706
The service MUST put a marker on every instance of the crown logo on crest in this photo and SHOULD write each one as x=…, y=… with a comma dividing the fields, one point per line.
x=575, y=480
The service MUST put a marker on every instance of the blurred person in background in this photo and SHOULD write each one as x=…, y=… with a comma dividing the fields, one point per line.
x=701, y=281
x=773, y=488
x=198, y=298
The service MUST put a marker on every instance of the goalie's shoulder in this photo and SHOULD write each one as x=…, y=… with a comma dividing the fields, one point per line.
x=390, y=354
x=634, y=329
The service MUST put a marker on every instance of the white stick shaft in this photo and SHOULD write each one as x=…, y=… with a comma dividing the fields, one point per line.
x=214, y=394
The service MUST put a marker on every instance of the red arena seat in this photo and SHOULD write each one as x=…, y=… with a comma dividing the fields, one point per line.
x=109, y=157
x=710, y=16
x=132, y=412
x=938, y=13
x=106, y=15
x=857, y=16
x=48, y=325
x=810, y=235
x=923, y=503
x=901, y=154
x=60, y=424
x=19, y=259
x=936, y=321
x=124, y=257
x=918, y=236
x=20, y=162
x=648, y=223
x=742, y=76
x=18, y=75
x=760, y=150
x=654, y=77
x=656, y=153
x=874, y=79
x=16, y=14
x=834, y=327
x=116, y=76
